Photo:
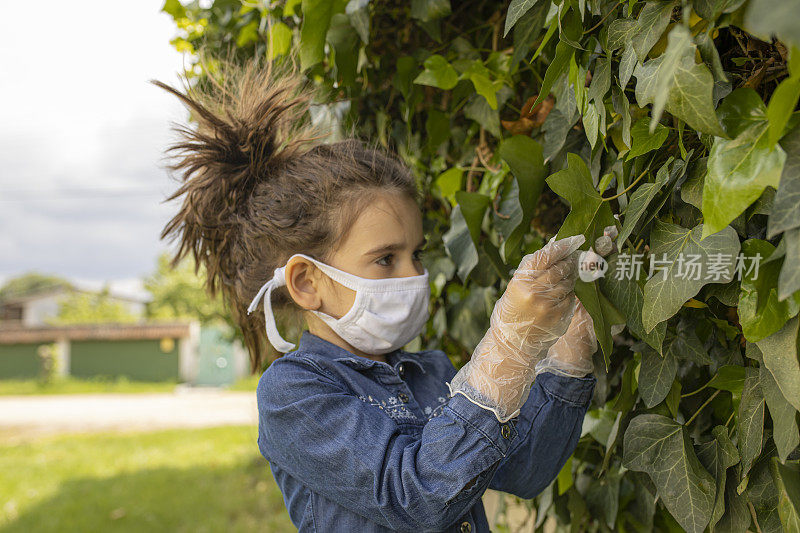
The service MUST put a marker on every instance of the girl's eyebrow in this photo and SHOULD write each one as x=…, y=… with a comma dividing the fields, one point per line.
x=393, y=247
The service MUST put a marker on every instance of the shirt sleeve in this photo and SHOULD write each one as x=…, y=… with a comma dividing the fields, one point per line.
x=549, y=427
x=352, y=453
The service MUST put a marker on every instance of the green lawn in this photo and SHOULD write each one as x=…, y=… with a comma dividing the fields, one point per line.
x=69, y=385
x=247, y=384
x=175, y=480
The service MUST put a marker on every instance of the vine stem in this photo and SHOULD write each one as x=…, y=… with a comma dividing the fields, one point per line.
x=629, y=187
x=701, y=408
x=602, y=20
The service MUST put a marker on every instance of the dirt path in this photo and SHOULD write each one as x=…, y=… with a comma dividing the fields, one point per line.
x=185, y=408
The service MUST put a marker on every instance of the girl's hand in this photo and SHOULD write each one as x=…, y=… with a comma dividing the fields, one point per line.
x=572, y=353
x=532, y=314
x=537, y=305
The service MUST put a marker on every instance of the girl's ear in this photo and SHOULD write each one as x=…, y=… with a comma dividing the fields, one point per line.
x=303, y=283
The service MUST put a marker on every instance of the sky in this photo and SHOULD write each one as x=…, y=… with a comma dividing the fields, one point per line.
x=82, y=134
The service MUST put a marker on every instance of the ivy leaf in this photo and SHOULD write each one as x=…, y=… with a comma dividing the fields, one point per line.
x=557, y=67
x=784, y=417
x=656, y=376
x=515, y=11
x=774, y=17
x=712, y=9
x=524, y=157
x=641, y=198
x=780, y=357
x=473, y=206
x=602, y=498
x=459, y=244
x=642, y=141
x=438, y=73
x=589, y=214
x=679, y=46
x=601, y=80
x=627, y=65
x=740, y=168
x=781, y=105
x=621, y=32
x=653, y=20
x=750, y=423
x=729, y=378
x=690, y=95
x=787, y=481
x=666, y=291
x=785, y=213
x=428, y=10
x=603, y=313
x=661, y=447
x=717, y=456
x=760, y=311
x=789, y=279
x=626, y=294
x=316, y=21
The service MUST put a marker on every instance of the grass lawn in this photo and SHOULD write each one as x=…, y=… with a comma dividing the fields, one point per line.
x=246, y=384
x=175, y=480
x=69, y=385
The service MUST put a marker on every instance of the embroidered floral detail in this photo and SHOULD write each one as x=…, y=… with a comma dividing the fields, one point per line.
x=393, y=407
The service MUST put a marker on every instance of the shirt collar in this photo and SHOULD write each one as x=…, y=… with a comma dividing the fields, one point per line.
x=314, y=344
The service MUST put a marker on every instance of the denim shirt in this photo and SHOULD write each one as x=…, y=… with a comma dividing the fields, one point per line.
x=361, y=445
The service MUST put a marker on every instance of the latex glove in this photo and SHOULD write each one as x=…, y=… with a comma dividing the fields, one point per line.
x=533, y=312
x=572, y=354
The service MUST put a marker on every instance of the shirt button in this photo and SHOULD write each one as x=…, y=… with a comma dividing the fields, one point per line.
x=505, y=431
x=403, y=397
x=466, y=527
x=401, y=370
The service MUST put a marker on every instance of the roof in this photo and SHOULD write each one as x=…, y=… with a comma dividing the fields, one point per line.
x=50, y=291
x=14, y=334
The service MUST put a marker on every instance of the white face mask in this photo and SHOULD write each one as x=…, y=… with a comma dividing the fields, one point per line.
x=387, y=313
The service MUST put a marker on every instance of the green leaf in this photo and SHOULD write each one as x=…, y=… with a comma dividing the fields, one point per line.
x=516, y=10
x=789, y=279
x=174, y=8
x=565, y=477
x=558, y=67
x=679, y=46
x=787, y=481
x=730, y=378
x=602, y=498
x=690, y=95
x=603, y=313
x=247, y=34
x=344, y=42
x=660, y=447
x=781, y=105
x=780, y=357
x=589, y=214
x=428, y=10
x=601, y=79
x=358, y=11
x=667, y=290
x=653, y=20
x=738, y=171
x=785, y=213
x=316, y=21
x=765, y=18
x=438, y=73
x=761, y=313
x=712, y=9
x=279, y=39
x=621, y=32
x=784, y=417
x=460, y=245
x=642, y=141
x=626, y=294
x=717, y=456
x=449, y=182
x=656, y=376
x=524, y=157
x=473, y=206
x=750, y=421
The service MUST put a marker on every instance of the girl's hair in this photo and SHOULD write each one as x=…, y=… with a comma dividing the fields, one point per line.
x=257, y=190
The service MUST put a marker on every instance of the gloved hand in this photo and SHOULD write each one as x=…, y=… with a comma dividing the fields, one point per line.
x=572, y=354
x=530, y=316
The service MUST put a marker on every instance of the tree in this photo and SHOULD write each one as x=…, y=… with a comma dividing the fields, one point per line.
x=180, y=293
x=29, y=283
x=530, y=118
x=79, y=307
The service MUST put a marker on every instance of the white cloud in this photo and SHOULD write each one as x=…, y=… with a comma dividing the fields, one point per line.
x=79, y=115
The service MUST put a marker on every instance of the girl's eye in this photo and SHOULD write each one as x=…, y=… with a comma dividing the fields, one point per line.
x=386, y=260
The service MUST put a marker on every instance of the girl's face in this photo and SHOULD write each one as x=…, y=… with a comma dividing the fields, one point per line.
x=385, y=241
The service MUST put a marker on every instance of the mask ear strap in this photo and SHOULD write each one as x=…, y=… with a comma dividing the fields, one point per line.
x=278, y=280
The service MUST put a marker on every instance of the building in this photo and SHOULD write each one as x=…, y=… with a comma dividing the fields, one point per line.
x=35, y=309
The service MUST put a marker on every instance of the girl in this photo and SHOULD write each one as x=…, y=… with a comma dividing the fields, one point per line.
x=361, y=435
